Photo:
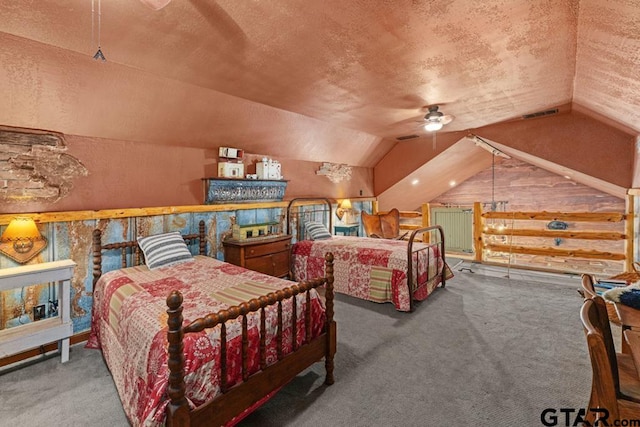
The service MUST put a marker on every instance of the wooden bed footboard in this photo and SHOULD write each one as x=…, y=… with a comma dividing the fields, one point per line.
x=437, y=244
x=234, y=400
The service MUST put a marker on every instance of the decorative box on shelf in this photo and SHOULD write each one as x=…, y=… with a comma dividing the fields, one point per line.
x=229, y=190
x=249, y=231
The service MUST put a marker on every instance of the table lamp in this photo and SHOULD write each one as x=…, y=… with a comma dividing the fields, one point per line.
x=21, y=240
x=343, y=207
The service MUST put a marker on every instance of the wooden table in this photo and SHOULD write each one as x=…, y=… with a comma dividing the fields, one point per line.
x=347, y=229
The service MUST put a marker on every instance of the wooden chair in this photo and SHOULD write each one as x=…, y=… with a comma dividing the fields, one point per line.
x=615, y=384
x=588, y=291
x=383, y=226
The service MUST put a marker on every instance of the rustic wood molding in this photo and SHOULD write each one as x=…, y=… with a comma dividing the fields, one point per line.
x=138, y=212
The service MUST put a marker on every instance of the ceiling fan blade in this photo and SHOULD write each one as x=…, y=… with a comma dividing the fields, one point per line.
x=446, y=119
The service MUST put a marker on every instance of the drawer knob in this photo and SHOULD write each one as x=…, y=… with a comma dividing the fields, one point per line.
x=251, y=251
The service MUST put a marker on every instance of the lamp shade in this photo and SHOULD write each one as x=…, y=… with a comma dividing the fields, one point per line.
x=345, y=204
x=343, y=207
x=21, y=240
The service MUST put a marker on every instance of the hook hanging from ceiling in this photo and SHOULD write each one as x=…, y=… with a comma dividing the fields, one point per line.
x=155, y=4
x=98, y=55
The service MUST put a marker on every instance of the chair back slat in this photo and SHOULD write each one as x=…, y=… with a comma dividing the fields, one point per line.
x=604, y=368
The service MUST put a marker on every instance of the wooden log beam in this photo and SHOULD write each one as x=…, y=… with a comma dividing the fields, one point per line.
x=409, y=226
x=558, y=216
x=404, y=214
x=569, y=253
x=587, y=235
x=426, y=221
x=138, y=212
x=629, y=245
x=478, y=225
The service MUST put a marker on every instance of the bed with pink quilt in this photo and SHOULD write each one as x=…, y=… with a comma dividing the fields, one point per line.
x=374, y=269
x=205, y=342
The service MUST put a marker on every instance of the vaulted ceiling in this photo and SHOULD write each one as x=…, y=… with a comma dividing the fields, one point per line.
x=327, y=80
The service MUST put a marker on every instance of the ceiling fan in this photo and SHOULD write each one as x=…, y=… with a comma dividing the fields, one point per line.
x=434, y=120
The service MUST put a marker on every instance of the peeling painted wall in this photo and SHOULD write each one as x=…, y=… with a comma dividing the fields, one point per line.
x=34, y=166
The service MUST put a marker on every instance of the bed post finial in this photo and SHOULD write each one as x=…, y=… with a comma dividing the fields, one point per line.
x=178, y=408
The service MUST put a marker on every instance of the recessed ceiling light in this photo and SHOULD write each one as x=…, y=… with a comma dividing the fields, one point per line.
x=452, y=183
x=415, y=182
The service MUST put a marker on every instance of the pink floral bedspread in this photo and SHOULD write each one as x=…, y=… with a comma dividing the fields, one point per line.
x=371, y=269
x=129, y=325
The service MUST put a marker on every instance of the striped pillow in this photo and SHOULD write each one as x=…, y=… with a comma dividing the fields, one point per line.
x=162, y=250
x=317, y=230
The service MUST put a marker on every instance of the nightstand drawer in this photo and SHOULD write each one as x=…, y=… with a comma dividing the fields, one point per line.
x=267, y=248
x=276, y=264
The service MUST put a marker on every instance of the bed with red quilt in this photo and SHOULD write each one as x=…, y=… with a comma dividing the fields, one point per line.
x=372, y=269
x=229, y=339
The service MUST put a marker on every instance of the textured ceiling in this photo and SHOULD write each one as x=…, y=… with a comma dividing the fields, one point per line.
x=329, y=80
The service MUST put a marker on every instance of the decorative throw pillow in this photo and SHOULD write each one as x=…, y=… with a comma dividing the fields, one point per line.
x=627, y=295
x=317, y=230
x=161, y=250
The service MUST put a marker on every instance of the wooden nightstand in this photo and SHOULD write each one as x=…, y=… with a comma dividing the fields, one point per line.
x=269, y=255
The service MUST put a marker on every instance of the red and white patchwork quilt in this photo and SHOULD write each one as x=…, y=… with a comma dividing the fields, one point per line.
x=129, y=324
x=372, y=269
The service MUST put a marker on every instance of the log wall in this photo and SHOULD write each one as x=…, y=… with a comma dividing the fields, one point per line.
x=522, y=193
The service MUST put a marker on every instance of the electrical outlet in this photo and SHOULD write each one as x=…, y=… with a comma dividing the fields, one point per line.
x=38, y=312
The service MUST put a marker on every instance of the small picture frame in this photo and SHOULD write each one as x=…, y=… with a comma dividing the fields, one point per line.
x=38, y=312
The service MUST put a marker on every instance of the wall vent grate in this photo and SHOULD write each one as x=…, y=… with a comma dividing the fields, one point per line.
x=540, y=114
x=404, y=138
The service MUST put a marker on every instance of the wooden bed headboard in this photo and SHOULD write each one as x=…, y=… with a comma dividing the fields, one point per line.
x=309, y=209
x=131, y=254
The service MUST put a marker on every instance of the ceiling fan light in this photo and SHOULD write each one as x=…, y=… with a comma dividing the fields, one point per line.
x=433, y=126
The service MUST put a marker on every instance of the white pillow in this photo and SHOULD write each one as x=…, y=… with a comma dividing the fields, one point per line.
x=161, y=250
x=317, y=230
